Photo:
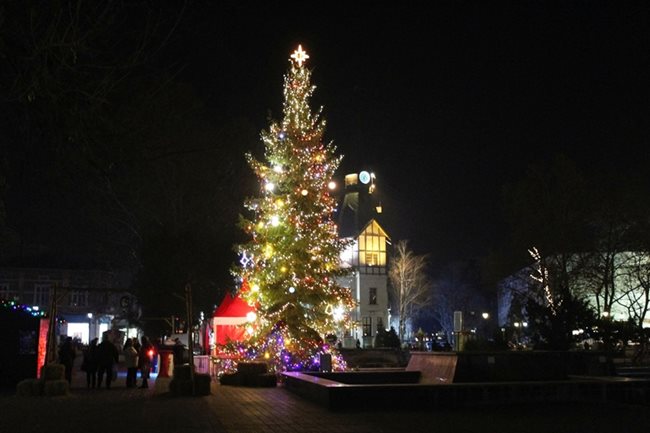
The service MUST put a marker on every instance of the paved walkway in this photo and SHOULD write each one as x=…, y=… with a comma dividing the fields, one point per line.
x=254, y=410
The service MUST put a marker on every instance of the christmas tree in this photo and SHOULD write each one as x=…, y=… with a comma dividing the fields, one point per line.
x=290, y=265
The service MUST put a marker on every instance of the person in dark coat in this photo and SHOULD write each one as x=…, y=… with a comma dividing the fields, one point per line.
x=130, y=362
x=66, y=357
x=145, y=357
x=89, y=364
x=179, y=352
x=107, y=355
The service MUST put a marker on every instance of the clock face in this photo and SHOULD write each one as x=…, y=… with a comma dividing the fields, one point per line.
x=364, y=177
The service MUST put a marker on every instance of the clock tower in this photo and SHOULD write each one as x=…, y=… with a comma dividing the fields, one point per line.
x=366, y=256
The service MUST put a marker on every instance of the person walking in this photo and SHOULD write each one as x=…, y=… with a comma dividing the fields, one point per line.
x=136, y=344
x=107, y=355
x=131, y=363
x=144, y=360
x=89, y=363
x=67, y=354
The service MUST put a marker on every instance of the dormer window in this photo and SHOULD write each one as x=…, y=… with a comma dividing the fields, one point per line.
x=372, y=246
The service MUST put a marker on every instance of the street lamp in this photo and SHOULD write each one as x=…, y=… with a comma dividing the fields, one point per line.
x=90, y=319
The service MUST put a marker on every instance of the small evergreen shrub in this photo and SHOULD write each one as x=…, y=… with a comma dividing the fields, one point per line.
x=29, y=388
x=233, y=379
x=53, y=371
x=252, y=368
x=56, y=387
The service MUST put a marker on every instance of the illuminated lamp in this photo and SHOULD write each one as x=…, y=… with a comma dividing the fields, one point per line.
x=304, y=192
x=251, y=316
x=331, y=185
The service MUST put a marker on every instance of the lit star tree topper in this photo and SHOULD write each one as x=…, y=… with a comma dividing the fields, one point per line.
x=293, y=256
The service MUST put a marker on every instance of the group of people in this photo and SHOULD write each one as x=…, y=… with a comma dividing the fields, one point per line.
x=99, y=361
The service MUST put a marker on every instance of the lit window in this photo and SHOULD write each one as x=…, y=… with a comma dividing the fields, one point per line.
x=5, y=293
x=78, y=298
x=372, y=296
x=41, y=294
x=367, y=326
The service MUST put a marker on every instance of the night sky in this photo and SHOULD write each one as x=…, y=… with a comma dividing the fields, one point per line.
x=445, y=101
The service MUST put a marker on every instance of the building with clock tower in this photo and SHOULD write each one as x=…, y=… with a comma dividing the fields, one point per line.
x=359, y=216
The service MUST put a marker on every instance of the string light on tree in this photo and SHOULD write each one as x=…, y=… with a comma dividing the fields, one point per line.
x=294, y=248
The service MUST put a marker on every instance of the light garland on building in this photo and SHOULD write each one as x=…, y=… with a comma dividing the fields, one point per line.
x=12, y=305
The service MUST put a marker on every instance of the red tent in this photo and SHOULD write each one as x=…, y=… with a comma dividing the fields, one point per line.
x=228, y=317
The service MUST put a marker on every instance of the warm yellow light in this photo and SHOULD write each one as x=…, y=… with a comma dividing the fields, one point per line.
x=267, y=355
x=260, y=225
x=275, y=220
x=270, y=186
x=304, y=192
x=277, y=168
x=279, y=203
x=268, y=251
x=251, y=316
x=331, y=185
x=255, y=288
x=299, y=56
x=283, y=269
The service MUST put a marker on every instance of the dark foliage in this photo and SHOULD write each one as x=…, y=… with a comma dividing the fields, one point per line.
x=387, y=338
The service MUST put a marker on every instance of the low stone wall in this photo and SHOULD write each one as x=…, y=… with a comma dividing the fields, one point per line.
x=345, y=397
x=371, y=377
x=477, y=367
x=375, y=358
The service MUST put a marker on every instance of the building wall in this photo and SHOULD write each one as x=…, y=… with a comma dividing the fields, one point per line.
x=624, y=281
x=89, y=301
x=375, y=313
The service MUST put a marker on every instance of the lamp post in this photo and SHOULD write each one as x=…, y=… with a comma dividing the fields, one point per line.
x=486, y=328
x=90, y=324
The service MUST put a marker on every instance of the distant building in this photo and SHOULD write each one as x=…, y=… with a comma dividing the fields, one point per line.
x=89, y=302
x=367, y=256
x=628, y=287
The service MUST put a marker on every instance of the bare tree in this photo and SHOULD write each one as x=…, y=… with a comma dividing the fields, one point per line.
x=409, y=283
x=456, y=289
